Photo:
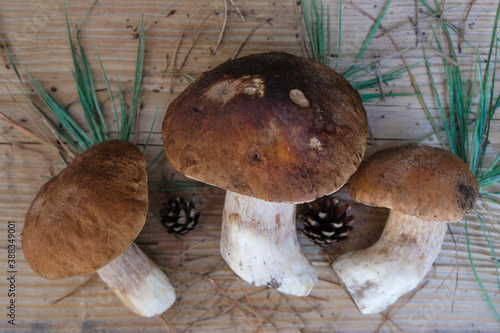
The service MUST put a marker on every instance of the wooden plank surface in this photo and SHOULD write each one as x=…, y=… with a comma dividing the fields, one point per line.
x=210, y=297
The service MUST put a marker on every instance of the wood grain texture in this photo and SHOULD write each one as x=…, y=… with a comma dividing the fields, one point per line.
x=210, y=297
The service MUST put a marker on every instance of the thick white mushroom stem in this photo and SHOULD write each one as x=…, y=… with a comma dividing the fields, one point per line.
x=259, y=242
x=377, y=276
x=139, y=283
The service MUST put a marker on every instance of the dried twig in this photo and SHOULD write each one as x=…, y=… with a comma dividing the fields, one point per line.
x=87, y=283
x=203, y=316
x=137, y=122
x=441, y=54
x=184, y=33
x=293, y=309
x=251, y=304
x=64, y=152
x=461, y=37
x=298, y=15
x=198, y=31
x=386, y=319
x=410, y=73
x=371, y=137
x=246, y=295
x=388, y=30
x=3, y=56
x=248, y=37
x=399, y=305
x=192, y=247
x=237, y=10
x=380, y=80
x=202, y=277
x=43, y=137
x=416, y=23
x=488, y=210
x=316, y=298
x=223, y=28
x=167, y=324
x=166, y=66
x=335, y=283
x=190, y=47
x=26, y=131
x=217, y=315
x=233, y=302
x=456, y=266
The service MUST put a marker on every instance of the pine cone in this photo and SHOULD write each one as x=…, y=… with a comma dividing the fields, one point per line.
x=179, y=216
x=325, y=221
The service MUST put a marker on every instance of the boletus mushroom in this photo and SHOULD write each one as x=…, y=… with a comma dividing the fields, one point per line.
x=424, y=187
x=86, y=218
x=274, y=130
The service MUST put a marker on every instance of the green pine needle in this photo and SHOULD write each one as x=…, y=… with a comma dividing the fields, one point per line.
x=69, y=130
x=476, y=275
x=152, y=123
x=315, y=27
x=467, y=131
x=371, y=34
x=138, y=80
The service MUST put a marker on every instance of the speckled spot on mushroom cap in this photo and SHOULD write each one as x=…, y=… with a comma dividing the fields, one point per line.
x=429, y=183
x=242, y=127
x=89, y=213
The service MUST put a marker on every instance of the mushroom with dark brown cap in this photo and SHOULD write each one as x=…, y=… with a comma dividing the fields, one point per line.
x=86, y=218
x=422, y=186
x=273, y=129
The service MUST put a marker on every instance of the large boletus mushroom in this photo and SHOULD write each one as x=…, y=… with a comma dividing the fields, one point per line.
x=273, y=129
x=423, y=187
x=86, y=218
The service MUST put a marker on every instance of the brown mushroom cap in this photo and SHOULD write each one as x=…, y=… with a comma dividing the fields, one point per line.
x=429, y=183
x=89, y=213
x=273, y=126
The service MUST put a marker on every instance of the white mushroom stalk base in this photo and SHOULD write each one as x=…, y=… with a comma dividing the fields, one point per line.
x=377, y=276
x=139, y=283
x=259, y=242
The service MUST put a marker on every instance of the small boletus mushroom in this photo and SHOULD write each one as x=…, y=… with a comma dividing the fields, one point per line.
x=423, y=187
x=273, y=129
x=86, y=218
